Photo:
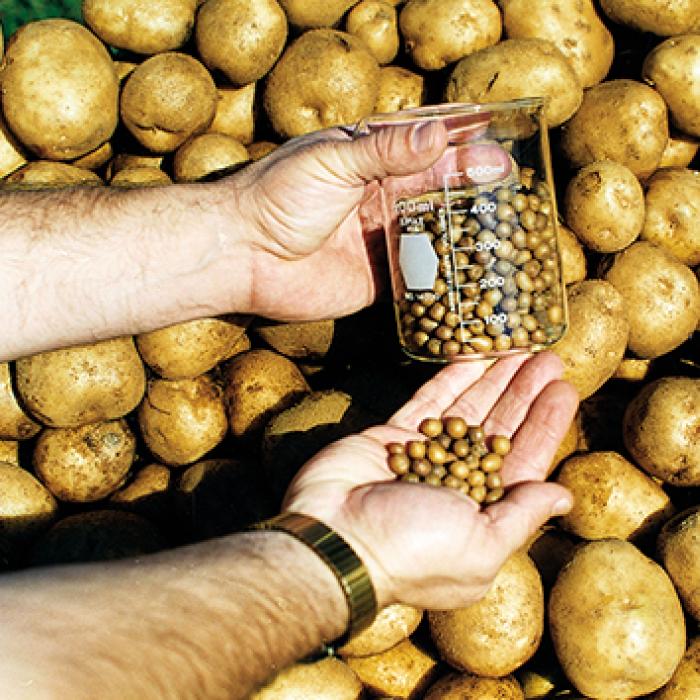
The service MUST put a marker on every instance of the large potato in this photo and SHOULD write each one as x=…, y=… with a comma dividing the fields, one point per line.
x=661, y=430
x=375, y=22
x=186, y=350
x=168, y=98
x=241, y=38
x=573, y=26
x=661, y=294
x=15, y=424
x=685, y=681
x=596, y=337
x=517, y=68
x=325, y=78
x=673, y=213
x=440, y=32
x=500, y=632
x=604, y=205
x=612, y=498
x=621, y=120
x=313, y=14
x=616, y=621
x=657, y=16
x=84, y=464
x=59, y=89
x=392, y=625
x=679, y=549
x=84, y=384
x=673, y=68
x=142, y=27
x=181, y=420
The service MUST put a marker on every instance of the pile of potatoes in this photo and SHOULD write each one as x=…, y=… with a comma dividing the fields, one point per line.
x=132, y=445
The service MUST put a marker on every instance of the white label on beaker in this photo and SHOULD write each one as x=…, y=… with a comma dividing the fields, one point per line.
x=418, y=261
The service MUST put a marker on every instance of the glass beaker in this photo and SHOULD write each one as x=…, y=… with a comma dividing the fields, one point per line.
x=472, y=242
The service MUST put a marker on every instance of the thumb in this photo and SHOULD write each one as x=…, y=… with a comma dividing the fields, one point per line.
x=527, y=507
x=391, y=150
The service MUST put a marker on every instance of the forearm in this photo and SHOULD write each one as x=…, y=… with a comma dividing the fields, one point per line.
x=96, y=263
x=199, y=622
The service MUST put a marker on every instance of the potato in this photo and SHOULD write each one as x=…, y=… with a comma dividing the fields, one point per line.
x=149, y=481
x=186, y=350
x=95, y=159
x=260, y=149
x=517, y=68
x=404, y=671
x=573, y=26
x=154, y=95
x=673, y=213
x=392, y=625
x=399, y=88
x=97, y=535
x=439, y=32
x=661, y=296
x=241, y=38
x=124, y=69
x=656, y=16
x=9, y=452
x=612, y=498
x=632, y=369
x=207, y=155
x=375, y=22
x=41, y=174
x=183, y=419
x=15, y=424
x=11, y=154
x=499, y=633
x=26, y=506
x=145, y=28
x=661, y=430
x=328, y=678
x=616, y=622
x=573, y=259
x=84, y=464
x=59, y=89
x=604, y=206
x=235, y=113
x=325, y=78
x=257, y=385
x=680, y=555
x=457, y=686
x=680, y=151
x=621, y=120
x=140, y=177
x=123, y=161
x=596, y=337
x=313, y=14
x=84, y=384
x=300, y=340
x=673, y=68
x=685, y=681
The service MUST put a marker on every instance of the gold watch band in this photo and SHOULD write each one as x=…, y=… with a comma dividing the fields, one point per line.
x=341, y=558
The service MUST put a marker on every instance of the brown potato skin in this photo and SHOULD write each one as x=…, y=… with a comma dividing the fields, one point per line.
x=661, y=430
x=616, y=621
x=59, y=89
x=679, y=152
x=315, y=14
x=620, y=120
x=662, y=298
x=517, y=68
x=242, y=38
x=26, y=506
x=44, y=174
x=299, y=340
x=85, y=464
x=596, y=337
x=604, y=206
x=500, y=632
x=15, y=424
x=573, y=259
x=458, y=686
x=672, y=203
x=612, y=498
x=673, y=68
x=573, y=26
x=325, y=78
x=205, y=155
x=141, y=27
x=83, y=384
x=235, y=113
x=376, y=23
x=140, y=177
x=656, y=16
x=392, y=625
x=399, y=88
x=685, y=681
x=439, y=32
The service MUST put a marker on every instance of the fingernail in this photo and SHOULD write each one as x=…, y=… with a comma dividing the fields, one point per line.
x=422, y=137
x=561, y=507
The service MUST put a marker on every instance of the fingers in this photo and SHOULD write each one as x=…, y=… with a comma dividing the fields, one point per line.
x=538, y=438
x=515, y=519
x=510, y=409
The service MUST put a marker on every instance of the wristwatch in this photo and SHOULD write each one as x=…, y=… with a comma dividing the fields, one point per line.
x=342, y=560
